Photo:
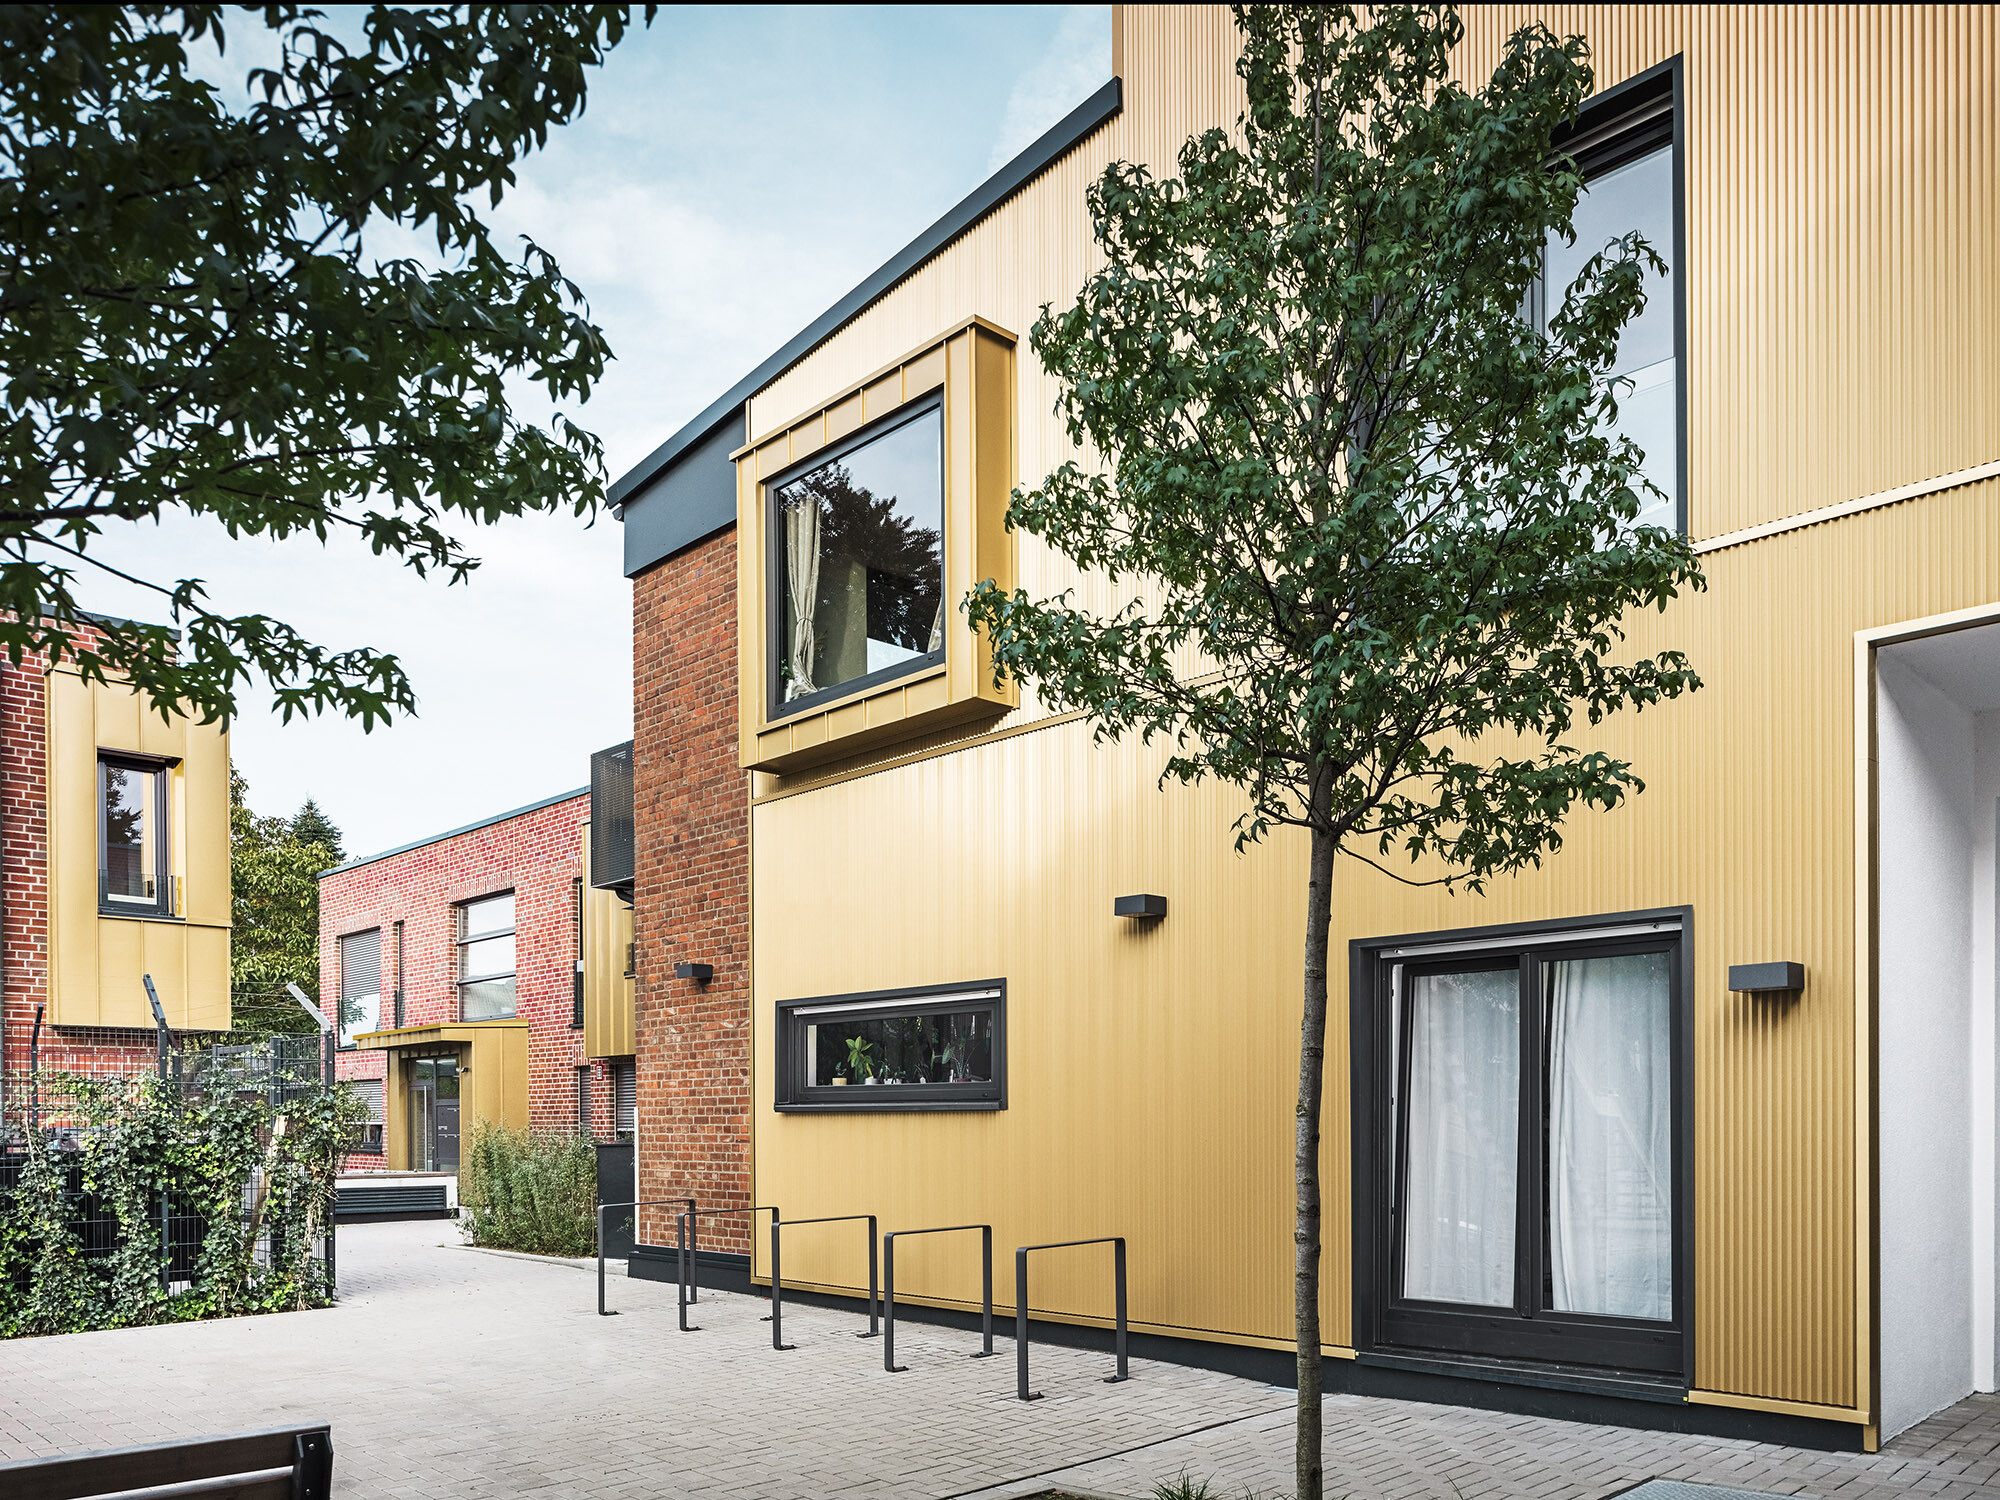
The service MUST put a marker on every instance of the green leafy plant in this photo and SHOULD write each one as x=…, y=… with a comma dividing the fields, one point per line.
x=274, y=869
x=199, y=319
x=858, y=1062
x=1378, y=530
x=210, y=1153
x=532, y=1190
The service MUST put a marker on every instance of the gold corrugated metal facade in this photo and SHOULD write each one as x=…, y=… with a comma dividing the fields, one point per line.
x=1842, y=196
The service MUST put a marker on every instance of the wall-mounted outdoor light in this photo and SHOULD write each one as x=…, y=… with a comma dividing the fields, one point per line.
x=699, y=973
x=1143, y=907
x=1767, y=979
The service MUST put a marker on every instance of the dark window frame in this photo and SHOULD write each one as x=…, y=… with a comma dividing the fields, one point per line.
x=340, y=983
x=778, y=710
x=460, y=941
x=795, y=1096
x=576, y=990
x=1538, y=1346
x=1627, y=121
x=161, y=907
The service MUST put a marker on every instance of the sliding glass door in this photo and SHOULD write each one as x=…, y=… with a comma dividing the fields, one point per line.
x=1527, y=1183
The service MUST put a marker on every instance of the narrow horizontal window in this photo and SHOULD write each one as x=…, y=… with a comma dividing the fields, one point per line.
x=942, y=1047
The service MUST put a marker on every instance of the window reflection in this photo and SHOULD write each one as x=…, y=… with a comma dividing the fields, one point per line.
x=860, y=542
x=956, y=1047
x=1636, y=196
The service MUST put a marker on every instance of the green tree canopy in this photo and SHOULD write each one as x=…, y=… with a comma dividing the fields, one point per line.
x=310, y=825
x=192, y=317
x=1379, y=529
x=274, y=871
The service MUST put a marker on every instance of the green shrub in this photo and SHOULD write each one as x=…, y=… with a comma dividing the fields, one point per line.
x=214, y=1153
x=533, y=1190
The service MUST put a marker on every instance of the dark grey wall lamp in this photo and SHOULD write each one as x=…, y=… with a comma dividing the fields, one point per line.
x=1140, y=906
x=699, y=973
x=1767, y=979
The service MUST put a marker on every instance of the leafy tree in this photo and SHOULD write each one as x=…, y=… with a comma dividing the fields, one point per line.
x=274, y=908
x=192, y=317
x=310, y=825
x=1380, y=530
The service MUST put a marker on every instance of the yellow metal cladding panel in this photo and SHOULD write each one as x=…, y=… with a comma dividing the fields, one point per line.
x=98, y=964
x=607, y=979
x=1843, y=238
x=1151, y=1073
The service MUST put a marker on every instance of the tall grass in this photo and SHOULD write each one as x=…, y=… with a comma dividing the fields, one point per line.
x=533, y=1190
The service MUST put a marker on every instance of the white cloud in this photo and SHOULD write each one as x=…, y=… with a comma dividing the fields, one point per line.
x=1075, y=66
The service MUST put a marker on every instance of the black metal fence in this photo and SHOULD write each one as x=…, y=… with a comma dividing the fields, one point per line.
x=43, y=1103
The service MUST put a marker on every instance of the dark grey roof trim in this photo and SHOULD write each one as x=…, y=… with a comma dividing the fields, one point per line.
x=439, y=838
x=981, y=201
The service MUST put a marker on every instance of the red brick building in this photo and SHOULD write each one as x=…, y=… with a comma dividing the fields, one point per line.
x=691, y=894
x=455, y=969
x=88, y=915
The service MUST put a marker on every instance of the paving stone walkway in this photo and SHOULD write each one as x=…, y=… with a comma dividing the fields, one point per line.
x=447, y=1372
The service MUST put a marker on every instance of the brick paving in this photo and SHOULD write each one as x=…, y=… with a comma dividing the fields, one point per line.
x=447, y=1372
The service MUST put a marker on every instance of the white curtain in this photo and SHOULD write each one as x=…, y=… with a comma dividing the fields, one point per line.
x=1611, y=1136
x=802, y=585
x=1464, y=1123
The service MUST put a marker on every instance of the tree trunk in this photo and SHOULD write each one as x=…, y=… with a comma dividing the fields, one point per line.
x=1305, y=1162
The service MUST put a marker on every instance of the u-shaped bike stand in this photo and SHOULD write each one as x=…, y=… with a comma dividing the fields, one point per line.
x=889, y=1286
x=1117, y=1243
x=686, y=1238
x=778, y=1280
x=602, y=1209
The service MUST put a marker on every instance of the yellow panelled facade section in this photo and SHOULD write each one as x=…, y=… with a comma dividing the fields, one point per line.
x=1151, y=1071
x=974, y=366
x=1842, y=283
x=607, y=970
x=493, y=1079
x=97, y=964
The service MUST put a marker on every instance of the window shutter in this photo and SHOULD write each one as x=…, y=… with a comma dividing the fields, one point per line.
x=625, y=1082
x=360, y=983
x=369, y=1090
x=583, y=1120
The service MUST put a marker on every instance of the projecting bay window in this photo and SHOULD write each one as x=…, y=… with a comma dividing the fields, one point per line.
x=931, y=1048
x=858, y=564
x=1522, y=1164
x=1624, y=146
x=486, y=959
x=133, y=861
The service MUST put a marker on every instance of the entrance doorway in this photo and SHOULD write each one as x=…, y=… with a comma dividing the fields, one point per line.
x=432, y=1086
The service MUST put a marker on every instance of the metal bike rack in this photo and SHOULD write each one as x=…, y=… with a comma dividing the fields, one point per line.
x=1117, y=1243
x=604, y=1208
x=686, y=1234
x=778, y=1280
x=889, y=1288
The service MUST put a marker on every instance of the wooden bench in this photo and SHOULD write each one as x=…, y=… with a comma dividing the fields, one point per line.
x=285, y=1463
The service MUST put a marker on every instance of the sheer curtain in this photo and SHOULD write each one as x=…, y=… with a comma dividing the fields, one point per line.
x=1611, y=1136
x=802, y=586
x=1463, y=1124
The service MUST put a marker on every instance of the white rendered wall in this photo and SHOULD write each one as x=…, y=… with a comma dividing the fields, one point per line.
x=1925, y=773
x=1985, y=1052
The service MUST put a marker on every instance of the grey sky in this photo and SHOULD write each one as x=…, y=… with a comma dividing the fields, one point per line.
x=736, y=172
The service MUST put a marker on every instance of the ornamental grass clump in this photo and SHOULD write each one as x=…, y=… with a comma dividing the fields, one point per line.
x=532, y=1190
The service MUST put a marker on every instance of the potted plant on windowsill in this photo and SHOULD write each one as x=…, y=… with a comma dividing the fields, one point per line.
x=859, y=1064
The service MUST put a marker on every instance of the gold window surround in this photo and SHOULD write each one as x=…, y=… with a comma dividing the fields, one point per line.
x=607, y=971
x=973, y=365
x=98, y=961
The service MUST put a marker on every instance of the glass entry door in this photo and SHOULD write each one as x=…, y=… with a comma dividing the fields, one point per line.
x=432, y=1085
x=1530, y=1202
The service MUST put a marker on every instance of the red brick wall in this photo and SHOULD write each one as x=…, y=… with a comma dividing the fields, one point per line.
x=691, y=891
x=24, y=903
x=538, y=856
